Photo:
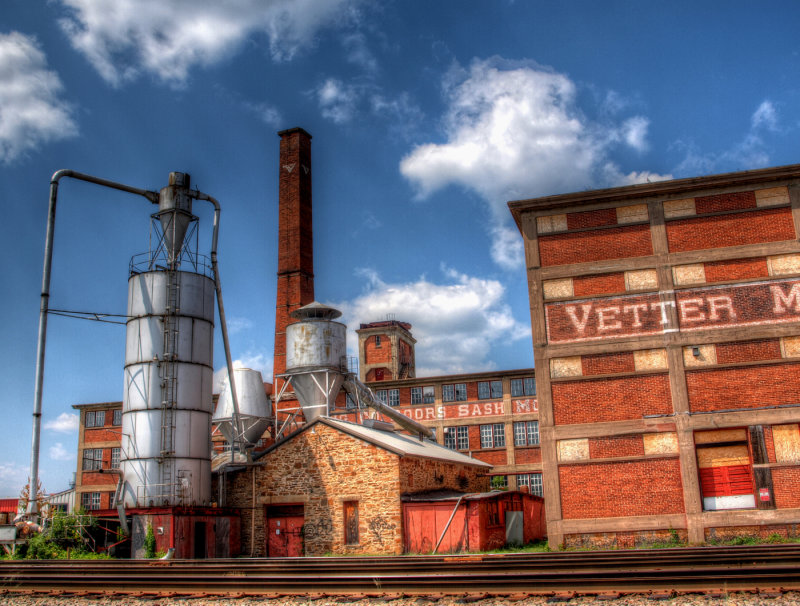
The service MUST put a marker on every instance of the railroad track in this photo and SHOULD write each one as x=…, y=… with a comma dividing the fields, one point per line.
x=765, y=569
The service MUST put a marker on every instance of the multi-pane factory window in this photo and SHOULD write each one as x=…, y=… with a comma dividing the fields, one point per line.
x=377, y=340
x=90, y=500
x=394, y=397
x=526, y=433
x=380, y=395
x=351, y=522
x=490, y=389
x=115, y=458
x=95, y=418
x=422, y=395
x=533, y=481
x=92, y=459
x=493, y=436
x=117, y=420
x=454, y=393
x=456, y=438
x=349, y=402
x=523, y=387
x=499, y=482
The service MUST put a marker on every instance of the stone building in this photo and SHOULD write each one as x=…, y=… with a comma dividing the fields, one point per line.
x=336, y=487
x=666, y=332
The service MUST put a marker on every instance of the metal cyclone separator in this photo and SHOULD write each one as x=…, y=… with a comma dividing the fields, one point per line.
x=316, y=368
x=255, y=411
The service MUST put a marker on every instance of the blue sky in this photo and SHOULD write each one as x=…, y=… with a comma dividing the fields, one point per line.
x=427, y=117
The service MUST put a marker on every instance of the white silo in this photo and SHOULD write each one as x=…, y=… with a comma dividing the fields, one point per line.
x=167, y=406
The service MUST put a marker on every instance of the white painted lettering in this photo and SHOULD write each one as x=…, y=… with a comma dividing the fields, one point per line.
x=783, y=301
x=719, y=303
x=634, y=309
x=690, y=310
x=663, y=305
x=463, y=410
x=607, y=318
x=580, y=325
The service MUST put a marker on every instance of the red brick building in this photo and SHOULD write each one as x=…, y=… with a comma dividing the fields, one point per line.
x=99, y=438
x=666, y=331
x=386, y=351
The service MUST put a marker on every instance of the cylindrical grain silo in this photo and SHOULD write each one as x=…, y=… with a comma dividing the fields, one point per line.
x=316, y=353
x=166, y=409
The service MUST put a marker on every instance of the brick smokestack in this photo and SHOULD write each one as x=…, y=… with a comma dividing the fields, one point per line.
x=295, y=238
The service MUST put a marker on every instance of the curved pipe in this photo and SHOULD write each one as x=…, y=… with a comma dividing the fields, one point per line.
x=237, y=422
x=43, y=308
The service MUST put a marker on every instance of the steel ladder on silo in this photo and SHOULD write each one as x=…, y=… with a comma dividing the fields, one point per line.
x=169, y=382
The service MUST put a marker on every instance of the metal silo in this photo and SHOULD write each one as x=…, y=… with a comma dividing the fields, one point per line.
x=167, y=406
x=316, y=357
x=255, y=410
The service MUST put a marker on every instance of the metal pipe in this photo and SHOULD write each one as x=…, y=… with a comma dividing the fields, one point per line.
x=355, y=387
x=238, y=429
x=43, y=308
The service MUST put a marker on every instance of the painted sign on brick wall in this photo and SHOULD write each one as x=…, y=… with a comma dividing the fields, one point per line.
x=455, y=411
x=525, y=406
x=708, y=307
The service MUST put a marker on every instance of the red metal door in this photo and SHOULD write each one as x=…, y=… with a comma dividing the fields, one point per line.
x=285, y=532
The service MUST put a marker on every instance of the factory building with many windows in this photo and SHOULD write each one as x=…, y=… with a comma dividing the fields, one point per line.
x=666, y=331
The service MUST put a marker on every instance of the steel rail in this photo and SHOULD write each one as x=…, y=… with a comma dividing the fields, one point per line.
x=772, y=568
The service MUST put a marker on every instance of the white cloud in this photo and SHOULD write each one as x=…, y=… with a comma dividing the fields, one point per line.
x=455, y=323
x=65, y=423
x=268, y=114
x=166, y=39
x=59, y=453
x=337, y=100
x=515, y=131
x=750, y=152
x=13, y=478
x=237, y=325
x=31, y=110
x=765, y=116
x=259, y=361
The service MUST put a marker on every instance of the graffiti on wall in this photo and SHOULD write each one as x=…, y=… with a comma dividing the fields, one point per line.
x=380, y=527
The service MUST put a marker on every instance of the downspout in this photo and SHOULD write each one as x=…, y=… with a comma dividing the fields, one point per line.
x=253, y=513
x=452, y=515
x=43, y=309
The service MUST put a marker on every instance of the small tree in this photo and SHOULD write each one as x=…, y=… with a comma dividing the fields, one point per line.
x=150, y=542
x=25, y=496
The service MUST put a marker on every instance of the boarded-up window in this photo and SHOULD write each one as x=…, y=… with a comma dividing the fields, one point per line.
x=787, y=443
x=725, y=469
x=351, y=522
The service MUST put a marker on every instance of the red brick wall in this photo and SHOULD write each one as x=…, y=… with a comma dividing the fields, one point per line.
x=523, y=456
x=748, y=387
x=495, y=457
x=374, y=354
x=736, y=269
x=616, y=399
x=786, y=484
x=698, y=233
x=721, y=202
x=609, y=243
x=748, y=351
x=601, y=284
x=605, y=364
x=616, y=446
x=592, y=218
x=628, y=488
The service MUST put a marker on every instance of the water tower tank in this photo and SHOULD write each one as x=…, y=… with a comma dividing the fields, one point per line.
x=316, y=354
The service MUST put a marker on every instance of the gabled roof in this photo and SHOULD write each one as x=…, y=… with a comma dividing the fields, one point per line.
x=397, y=443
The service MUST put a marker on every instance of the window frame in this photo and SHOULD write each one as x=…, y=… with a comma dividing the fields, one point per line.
x=116, y=459
x=393, y=397
x=90, y=460
x=350, y=522
x=116, y=419
x=494, y=432
x=526, y=433
x=523, y=386
x=456, y=437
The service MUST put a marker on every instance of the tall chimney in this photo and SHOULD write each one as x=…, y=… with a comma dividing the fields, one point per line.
x=295, y=238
